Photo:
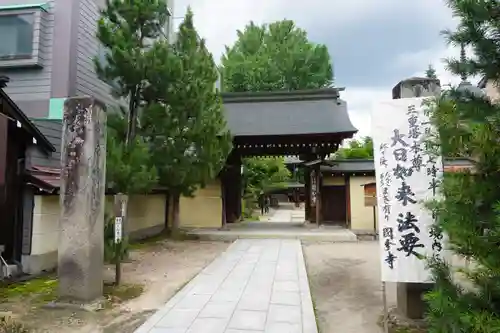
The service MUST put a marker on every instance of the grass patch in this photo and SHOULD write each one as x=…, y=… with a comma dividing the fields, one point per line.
x=123, y=292
x=44, y=290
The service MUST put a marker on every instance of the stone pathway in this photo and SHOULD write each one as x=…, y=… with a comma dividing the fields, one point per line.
x=281, y=215
x=257, y=285
x=286, y=213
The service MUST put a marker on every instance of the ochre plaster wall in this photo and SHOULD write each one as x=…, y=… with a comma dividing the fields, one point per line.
x=204, y=210
x=361, y=216
x=146, y=215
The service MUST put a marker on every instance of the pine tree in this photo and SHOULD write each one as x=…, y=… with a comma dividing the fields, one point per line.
x=469, y=126
x=127, y=170
x=186, y=125
x=126, y=30
x=430, y=73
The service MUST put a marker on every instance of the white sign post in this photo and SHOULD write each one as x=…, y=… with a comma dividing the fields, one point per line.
x=118, y=229
x=407, y=176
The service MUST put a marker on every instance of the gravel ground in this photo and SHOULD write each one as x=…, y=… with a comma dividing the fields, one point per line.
x=345, y=286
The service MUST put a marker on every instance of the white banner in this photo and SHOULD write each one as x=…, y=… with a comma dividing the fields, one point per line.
x=407, y=176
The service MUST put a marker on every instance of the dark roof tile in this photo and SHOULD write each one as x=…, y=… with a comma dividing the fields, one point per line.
x=287, y=113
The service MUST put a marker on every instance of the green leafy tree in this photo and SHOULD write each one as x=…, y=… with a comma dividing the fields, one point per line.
x=356, y=149
x=185, y=123
x=430, y=72
x=277, y=56
x=263, y=173
x=469, y=126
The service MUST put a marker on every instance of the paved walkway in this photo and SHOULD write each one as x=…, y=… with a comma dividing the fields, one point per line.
x=255, y=286
x=284, y=214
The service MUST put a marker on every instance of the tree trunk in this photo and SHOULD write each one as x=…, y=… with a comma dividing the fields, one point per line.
x=175, y=212
x=167, y=212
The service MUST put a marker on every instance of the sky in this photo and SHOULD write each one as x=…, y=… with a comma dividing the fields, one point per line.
x=373, y=44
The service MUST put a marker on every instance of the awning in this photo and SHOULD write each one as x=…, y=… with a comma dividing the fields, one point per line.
x=14, y=112
x=46, y=179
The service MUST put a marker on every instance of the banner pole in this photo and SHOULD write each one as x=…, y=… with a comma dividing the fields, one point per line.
x=386, y=311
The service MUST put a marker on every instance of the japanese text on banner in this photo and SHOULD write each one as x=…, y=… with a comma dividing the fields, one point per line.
x=407, y=176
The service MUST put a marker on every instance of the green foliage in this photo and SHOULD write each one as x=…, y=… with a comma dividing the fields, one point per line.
x=263, y=173
x=128, y=170
x=356, y=149
x=113, y=250
x=469, y=126
x=478, y=27
x=184, y=123
x=126, y=30
x=430, y=73
x=277, y=56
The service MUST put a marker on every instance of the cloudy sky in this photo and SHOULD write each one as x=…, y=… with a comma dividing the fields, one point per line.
x=373, y=44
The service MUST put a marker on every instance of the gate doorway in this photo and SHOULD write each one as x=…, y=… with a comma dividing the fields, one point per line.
x=307, y=125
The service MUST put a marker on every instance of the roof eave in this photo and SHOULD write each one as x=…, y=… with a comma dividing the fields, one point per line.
x=42, y=6
x=32, y=129
x=280, y=95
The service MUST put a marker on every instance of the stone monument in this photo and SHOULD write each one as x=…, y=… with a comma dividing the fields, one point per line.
x=81, y=239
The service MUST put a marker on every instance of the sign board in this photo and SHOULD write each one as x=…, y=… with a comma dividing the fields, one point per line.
x=314, y=188
x=370, y=201
x=407, y=176
x=370, y=191
x=118, y=229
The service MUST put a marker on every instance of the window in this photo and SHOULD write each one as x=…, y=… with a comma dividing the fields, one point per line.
x=16, y=36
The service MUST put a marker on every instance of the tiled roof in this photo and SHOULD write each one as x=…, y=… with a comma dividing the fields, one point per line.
x=45, y=178
x=287, y=113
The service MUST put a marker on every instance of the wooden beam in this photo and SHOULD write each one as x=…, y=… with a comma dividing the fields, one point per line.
x=4, y=140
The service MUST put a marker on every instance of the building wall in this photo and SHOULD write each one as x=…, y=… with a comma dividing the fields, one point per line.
x=52, y=129
x=68, y=45
x=204, y=210
x=146, y=218
x=30, y=87
x=361, y=216
x=87, y=82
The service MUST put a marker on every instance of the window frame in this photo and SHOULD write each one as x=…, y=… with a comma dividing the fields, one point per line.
x=35, y=60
